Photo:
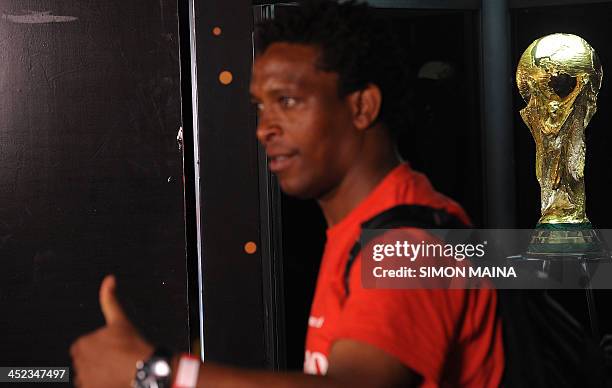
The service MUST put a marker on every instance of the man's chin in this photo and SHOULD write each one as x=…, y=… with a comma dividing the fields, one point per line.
x=296, y=189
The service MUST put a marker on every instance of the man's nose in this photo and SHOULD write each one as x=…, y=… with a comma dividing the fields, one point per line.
x=267, y=128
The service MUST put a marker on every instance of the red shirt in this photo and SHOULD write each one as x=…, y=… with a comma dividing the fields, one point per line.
x=449, y=337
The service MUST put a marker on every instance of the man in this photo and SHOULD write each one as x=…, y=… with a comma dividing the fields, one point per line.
x=330, y=99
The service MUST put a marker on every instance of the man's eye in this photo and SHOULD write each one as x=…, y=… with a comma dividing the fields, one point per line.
x=287, y=102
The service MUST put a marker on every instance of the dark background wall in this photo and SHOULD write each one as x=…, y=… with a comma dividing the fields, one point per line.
x=90, y=174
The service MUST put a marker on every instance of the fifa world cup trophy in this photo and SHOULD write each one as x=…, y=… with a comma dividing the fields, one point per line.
x=559, y=76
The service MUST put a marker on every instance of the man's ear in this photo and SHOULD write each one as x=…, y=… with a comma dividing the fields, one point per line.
x=365, y=106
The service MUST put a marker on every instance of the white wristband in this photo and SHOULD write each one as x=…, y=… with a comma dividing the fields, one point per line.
x=187, y=372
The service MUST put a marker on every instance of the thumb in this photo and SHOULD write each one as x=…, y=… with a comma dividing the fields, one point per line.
x=111, y=309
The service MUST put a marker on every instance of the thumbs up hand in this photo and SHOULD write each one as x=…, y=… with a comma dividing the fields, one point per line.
x=111, y=309
x=107, y=357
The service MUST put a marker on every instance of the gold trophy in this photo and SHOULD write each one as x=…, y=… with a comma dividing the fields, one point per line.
x=559, y=76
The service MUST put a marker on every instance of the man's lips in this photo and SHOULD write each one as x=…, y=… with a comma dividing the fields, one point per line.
x=280, y=162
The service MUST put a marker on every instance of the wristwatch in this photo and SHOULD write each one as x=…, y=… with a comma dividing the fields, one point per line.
x=154, y=372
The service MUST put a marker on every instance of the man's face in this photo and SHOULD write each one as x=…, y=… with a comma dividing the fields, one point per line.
x=305, y=127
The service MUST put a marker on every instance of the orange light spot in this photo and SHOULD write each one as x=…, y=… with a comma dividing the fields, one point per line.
x=226, y=77
x=216, y=31
x=250, y=247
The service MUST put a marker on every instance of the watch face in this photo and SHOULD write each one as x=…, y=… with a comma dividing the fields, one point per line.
x=160, y=368
x=155, y=373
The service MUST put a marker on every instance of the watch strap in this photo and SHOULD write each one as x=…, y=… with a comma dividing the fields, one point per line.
x=186, y=375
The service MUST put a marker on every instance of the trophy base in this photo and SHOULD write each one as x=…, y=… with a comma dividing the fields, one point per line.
x=565, y=240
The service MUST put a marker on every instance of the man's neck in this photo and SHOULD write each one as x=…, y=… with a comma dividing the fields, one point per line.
x=357, y=184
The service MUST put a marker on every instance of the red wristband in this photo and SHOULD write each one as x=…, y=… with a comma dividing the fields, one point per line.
x=187, y=372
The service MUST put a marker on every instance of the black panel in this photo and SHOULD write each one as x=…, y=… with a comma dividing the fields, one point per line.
x=232, y=279
x=444, y=138
x=90, y=174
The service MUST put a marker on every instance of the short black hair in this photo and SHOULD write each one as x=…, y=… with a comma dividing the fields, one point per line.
x=354, y=43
